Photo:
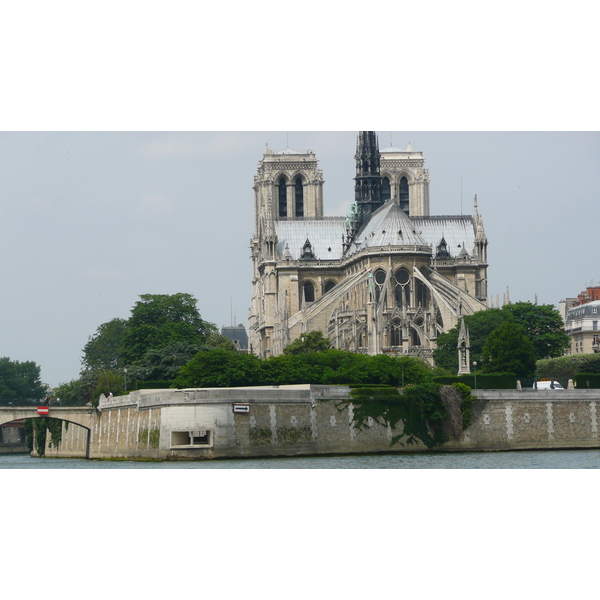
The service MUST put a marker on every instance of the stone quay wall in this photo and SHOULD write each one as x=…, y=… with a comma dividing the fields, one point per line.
x=308, y=420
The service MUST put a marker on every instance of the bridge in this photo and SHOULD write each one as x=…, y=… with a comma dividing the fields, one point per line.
x=84, y=416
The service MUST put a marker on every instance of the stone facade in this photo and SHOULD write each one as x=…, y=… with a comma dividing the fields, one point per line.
x=386, y=278
x=308, y=420
x=581, y=324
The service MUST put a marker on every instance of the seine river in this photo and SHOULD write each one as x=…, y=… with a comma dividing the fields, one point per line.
x=549, y=459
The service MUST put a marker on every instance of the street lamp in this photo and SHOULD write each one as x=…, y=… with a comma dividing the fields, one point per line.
x=125, y=372
x=475, y=372
x=402, y=374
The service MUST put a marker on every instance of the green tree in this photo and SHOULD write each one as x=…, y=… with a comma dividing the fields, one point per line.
x=76, y=392
x=159, y=320
x=480, y=325
x=107, y=383
x=164, y=363
x=544, y=326
x=103, y=349
x=508, y=349
x=397, y=371
x=220, y=368
x=216, y=340
x=542, y=323
x=313, y=341
x=20, y=382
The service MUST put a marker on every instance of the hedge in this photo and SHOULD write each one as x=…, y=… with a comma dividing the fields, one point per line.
x=154, y=385
x=585, y=380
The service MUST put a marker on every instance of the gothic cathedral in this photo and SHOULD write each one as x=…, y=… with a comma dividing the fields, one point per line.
x=386, y=278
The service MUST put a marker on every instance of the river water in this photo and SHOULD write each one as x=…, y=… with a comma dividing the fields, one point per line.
x=535, y=459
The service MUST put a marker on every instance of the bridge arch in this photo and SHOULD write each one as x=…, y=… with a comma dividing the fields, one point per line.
x=81, y=416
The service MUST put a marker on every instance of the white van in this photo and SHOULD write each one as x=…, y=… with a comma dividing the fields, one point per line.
x=547, y=384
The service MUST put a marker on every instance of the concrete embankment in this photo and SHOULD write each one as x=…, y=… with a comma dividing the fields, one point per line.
x=309, y=420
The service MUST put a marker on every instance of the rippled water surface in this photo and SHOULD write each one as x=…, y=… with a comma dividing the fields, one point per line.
x=550, y=459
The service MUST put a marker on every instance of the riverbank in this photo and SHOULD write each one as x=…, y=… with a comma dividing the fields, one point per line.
x=310, y=420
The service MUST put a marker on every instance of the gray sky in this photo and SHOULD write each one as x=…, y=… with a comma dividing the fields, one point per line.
x=89, y=221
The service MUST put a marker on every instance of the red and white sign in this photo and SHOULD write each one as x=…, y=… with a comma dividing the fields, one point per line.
x=42, y=410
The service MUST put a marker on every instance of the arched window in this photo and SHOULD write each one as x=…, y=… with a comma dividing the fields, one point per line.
x=282, y=198
x=379, y=281
x=309, y=292
x=416, y=338
x=328, y=286
x=386, y=192
x=396, y=333
x=402, y=291
x=404, y=205
x=299, y=197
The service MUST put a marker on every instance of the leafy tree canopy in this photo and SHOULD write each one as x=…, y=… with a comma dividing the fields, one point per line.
x=222, y=368
x=216, y=340
x=313, y=341
x=20, y=382
x=543, y=326
x=76, y=392
x=102, y=351
x=164, y=363
x=107, y=383
x=163, y=333
x=159, y=320
x=508, y=349
x=480, y=325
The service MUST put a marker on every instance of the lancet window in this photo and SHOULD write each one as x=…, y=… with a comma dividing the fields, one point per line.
x=282, y=188
x=404, y=204
x=402, y=291
x=299, y=194
x=386, y=192
x=379, y=282
x=309, y=292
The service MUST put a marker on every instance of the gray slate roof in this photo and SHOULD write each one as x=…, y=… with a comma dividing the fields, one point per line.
x=325, y=236
x=457, y=230
x=389, y=226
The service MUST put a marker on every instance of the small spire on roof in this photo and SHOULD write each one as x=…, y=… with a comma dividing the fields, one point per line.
x=409, y=149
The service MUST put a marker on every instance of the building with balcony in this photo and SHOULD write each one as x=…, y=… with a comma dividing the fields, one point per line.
x=581, y=324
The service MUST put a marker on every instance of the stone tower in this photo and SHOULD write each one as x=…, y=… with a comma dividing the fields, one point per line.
x=405, y=179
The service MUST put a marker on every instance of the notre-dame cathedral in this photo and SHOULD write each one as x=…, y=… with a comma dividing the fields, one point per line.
x=386, y=278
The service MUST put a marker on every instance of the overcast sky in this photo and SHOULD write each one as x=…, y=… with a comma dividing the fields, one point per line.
x=92, y=216
x=92, y=220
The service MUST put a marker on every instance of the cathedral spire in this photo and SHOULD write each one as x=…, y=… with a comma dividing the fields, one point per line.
x=367, y=186
x=464, y=350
